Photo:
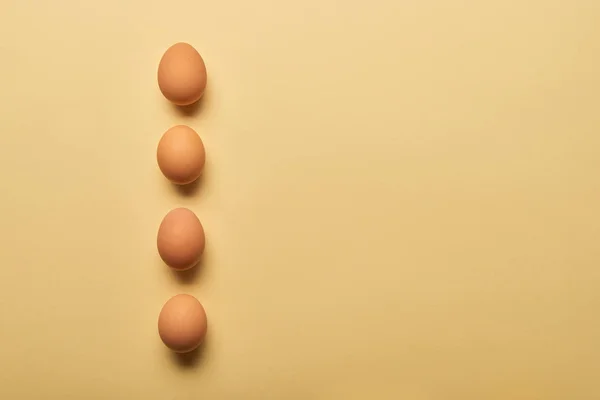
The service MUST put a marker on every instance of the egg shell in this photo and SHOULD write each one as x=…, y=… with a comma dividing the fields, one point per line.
x=182, y=323
x=180, y=240
x=181, y=155
x=182, y=74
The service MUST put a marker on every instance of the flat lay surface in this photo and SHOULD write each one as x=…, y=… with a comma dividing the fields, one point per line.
x=400, y=199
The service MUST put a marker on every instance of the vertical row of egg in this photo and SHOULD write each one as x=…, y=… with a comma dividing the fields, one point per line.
x=180, y=155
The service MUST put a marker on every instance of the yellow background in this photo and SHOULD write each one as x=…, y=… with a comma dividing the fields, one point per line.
x=401, y=199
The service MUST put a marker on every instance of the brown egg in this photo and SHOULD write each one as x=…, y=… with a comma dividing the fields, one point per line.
x=182, y=74
x=181, y=155
x=180, y=239
x=182, y=323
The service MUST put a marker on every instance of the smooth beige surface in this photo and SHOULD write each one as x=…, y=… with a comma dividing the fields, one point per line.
x=401, y=200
